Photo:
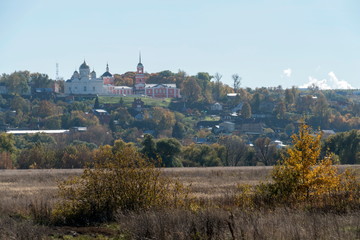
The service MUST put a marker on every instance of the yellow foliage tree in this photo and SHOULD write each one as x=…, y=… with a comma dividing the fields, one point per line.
x=302, y=175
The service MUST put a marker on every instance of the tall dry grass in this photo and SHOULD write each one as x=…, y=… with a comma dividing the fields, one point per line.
x=280, y=224
x=28, y=196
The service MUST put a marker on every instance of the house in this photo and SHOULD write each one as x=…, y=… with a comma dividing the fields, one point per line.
x=237, y=108
x=278, y=144
x=23, y=132
x=138, y=104
x=207, y=124
x=198, y=140
x=327, y=133
x=162, y=90
x=44, y=93
x=232, y=95
x=78, y=129
x=227, y=126
x=102, y=115
x=252, y=128
x=216, y=107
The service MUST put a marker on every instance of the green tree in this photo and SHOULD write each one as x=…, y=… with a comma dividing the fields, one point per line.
x=39, y=80
x=168, y=149
x=178, y=130
x=149, y=147
x=346, y=145
x=17, y=82
x=200, y=155
x=20, y=104
x=97, y=103
x=7, y=143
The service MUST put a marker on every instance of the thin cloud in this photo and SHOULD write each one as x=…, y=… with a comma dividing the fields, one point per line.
x=331, y=83
x=287, y=72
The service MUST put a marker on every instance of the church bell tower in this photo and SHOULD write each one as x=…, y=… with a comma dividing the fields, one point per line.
x=140, y=78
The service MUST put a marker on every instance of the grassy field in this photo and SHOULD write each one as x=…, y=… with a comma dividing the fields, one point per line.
x=128, y=100
x=26, y=195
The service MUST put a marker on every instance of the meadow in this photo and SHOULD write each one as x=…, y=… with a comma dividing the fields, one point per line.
x=128, y=100
x=27, y=197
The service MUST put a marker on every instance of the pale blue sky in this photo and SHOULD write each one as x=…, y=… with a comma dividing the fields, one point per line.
x=257, y=39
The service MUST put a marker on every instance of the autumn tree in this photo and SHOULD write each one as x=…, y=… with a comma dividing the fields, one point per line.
x=280, y=110
x=289, y=97
x=191, y=90
x=7, y=148
x=246, y=110
x=302, y=174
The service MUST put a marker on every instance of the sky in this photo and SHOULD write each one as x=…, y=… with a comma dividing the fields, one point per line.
x=268, y=43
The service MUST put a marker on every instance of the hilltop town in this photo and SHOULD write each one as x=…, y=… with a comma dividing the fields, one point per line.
x=204, y=121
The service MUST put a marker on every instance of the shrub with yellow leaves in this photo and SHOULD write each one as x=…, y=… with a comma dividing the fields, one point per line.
x=302, y=175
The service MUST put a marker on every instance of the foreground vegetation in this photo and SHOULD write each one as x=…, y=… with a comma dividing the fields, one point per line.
x=27, y=196
x=123, y=194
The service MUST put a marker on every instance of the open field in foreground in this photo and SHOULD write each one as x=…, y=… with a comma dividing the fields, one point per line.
x=24, y=193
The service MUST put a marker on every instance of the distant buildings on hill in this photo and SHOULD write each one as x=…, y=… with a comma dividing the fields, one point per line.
x=86, y=82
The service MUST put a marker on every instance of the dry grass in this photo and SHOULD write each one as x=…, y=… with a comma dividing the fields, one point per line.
x=25, y=193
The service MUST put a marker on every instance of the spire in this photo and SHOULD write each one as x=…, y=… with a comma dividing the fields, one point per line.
x=107, y=67
x=139, y=56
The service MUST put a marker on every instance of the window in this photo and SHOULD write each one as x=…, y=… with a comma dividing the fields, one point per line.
x=84, y=88
x=94, y=89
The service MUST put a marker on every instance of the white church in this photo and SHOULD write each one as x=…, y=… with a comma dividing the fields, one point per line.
x=86, y=82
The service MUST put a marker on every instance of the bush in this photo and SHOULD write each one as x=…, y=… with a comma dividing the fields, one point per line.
x=121, y=180
x=304, y=178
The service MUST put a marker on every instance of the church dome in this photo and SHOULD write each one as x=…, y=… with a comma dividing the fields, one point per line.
x=84, y=66
x=140, y=65
x=107, y=74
